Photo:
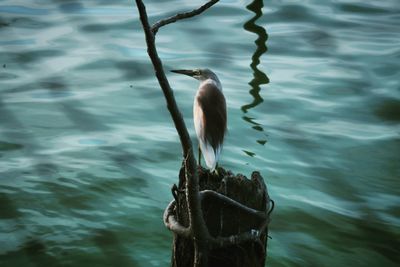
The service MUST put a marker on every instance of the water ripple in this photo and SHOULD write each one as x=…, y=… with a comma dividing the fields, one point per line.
x=89, y=152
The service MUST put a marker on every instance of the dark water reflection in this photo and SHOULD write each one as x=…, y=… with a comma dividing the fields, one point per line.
x=88, y=152
x=259, y=77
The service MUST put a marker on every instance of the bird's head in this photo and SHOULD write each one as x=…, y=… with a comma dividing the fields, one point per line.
x=199, y=74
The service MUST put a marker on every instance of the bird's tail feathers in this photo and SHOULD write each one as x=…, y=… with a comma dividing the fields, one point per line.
x=210, y=155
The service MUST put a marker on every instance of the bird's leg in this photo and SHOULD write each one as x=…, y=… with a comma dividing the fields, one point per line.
x=216, y=170
x=199, y=159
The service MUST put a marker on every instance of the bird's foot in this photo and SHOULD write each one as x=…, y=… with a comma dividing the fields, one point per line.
x=215, y=172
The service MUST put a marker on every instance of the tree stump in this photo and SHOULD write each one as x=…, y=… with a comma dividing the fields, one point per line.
x=225, y=221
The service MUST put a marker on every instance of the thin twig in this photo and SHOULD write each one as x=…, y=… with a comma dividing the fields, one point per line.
x=181, y=16
x=272, y=207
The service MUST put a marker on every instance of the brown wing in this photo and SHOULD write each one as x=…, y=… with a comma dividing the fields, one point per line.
x=212, y=102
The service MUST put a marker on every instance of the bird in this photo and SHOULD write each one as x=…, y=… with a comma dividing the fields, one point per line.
x=209, y=115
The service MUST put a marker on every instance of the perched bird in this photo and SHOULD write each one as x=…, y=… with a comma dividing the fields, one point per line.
x=209, y=114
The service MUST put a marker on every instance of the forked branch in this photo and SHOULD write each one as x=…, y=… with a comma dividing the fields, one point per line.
x=197, y=226
x=181, y=16
x=197, y=229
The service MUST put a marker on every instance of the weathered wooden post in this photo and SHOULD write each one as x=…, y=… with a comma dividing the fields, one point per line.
x=228, y=221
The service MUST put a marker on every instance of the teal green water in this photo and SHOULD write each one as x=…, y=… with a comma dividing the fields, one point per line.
x=88, y=152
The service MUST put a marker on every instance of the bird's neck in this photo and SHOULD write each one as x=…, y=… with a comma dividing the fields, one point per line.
x=215, y=82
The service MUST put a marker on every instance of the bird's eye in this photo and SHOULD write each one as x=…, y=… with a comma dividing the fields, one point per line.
x=198, y=73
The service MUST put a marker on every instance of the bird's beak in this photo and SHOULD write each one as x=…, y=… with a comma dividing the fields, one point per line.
x=190, y=73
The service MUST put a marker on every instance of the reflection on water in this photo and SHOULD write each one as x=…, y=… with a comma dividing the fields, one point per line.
x=259, y=77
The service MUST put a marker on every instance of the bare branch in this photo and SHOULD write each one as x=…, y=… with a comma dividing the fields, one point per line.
x=164, y=84
x=197, y=229
x=228, y=201
x=196, y=220
x=172, y=224
x=181, y=16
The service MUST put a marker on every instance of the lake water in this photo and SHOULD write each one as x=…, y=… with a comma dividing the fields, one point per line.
x=88, y=152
